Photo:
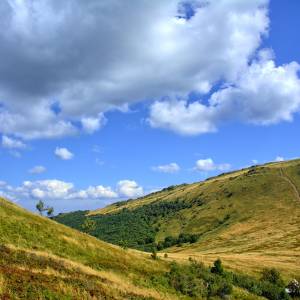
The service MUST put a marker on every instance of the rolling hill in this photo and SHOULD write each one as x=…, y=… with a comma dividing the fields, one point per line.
x=42, y=259
x=249, y=218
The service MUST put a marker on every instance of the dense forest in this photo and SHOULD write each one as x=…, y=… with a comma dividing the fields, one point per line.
x=130, y=228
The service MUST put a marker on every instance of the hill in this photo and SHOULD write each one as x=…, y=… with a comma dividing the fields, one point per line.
x=250, y=218
x=41, y=259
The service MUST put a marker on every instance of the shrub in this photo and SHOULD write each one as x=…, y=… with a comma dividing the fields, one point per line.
x=154, y=254
x=273, y=276
x=217, y=267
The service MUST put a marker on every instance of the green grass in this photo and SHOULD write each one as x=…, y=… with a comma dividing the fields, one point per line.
x=42, y=259
x=249, y=218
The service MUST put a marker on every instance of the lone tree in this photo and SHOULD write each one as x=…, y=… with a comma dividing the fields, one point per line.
x=217, y=267
x=154, y=254
x=50, y=211
x=40, y=206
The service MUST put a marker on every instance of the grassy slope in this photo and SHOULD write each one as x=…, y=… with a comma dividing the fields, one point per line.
x=41, y=259
x=249, y=218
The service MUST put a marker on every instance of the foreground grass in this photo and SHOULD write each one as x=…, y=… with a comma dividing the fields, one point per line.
x=41, y=259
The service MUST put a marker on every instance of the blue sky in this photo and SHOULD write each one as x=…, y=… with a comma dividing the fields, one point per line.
x=147, y=131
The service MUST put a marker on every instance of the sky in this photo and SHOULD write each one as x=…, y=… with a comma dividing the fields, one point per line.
x=112, y=100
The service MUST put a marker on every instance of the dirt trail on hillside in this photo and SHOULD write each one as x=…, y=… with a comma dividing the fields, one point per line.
x=287, y=178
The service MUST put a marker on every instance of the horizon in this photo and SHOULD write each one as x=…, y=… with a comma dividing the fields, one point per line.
x=137, y=97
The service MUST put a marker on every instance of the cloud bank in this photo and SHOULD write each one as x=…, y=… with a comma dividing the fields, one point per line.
x=53, y=189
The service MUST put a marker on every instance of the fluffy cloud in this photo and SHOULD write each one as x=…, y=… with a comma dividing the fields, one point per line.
x=37, y=170
x=183, y=118
x=91, y=124
x=63, y=153
x=263, y=94
x=11, y=143
x=94, y=56
x=53, y=189
x=129, y=188
x=169, y=168
x=207, y=165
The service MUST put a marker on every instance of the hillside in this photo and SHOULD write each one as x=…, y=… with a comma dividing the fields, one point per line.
x=41, y=259
x=249, y=218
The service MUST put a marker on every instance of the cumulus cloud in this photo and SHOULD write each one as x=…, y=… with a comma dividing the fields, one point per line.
x=208, y=165
x=91, y=124
x=53, y=189
x=37, y=170
x=169, y=168
x=63, y=153
x=263, y=94
x=129, y=188
x=94, y=56
x=11, y=143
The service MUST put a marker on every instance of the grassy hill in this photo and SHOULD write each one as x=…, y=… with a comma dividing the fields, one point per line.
x=42, y=259
x=249, y=218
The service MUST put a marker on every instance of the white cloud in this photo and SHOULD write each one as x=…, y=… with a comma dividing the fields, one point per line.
x=63, y=153
x=129, y=188
x=53, y=189
x=101, y=192
x=208, y=165
x=116, y=68
x=263, y=94
x=183, y=118
x=11, y=143
x=37, y=170
x=169, y=168
x=91, y=124
x=279, y=159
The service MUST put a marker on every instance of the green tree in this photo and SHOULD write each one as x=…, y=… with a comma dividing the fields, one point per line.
x=273, y=276
x=154, y=254
x=217, y=267
x=50, y=211
x=40, y=206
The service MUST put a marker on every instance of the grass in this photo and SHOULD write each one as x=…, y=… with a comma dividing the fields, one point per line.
x=42, y=259
x=250, y=218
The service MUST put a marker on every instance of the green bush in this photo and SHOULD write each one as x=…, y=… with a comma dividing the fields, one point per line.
x=273, y=276
x=217, y=267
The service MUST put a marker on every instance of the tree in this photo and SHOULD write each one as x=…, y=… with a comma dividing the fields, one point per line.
x=217, y=267
x=89, y=225
x=40, y=206
x=50, y=211
x=273, y=276
x=154, y=254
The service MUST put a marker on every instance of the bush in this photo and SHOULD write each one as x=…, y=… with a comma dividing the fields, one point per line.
x=217, y=268
x=273, y=276
x=154, y=254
